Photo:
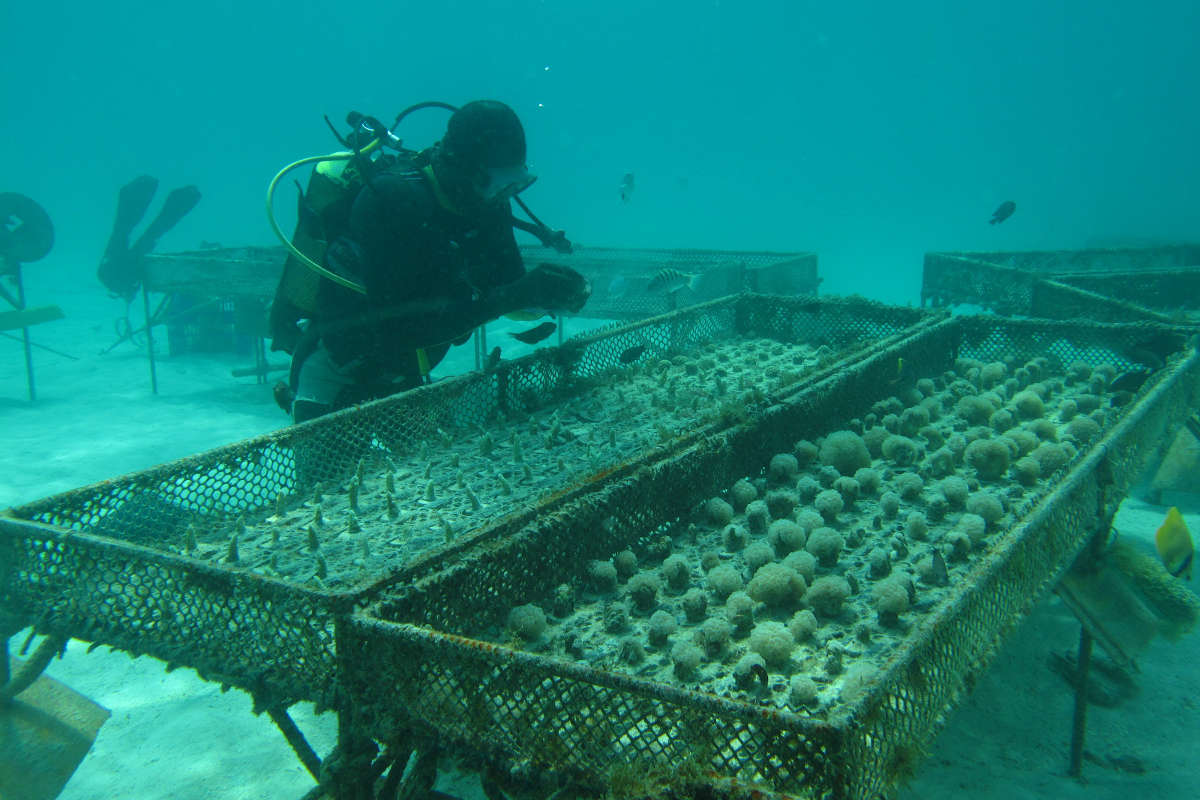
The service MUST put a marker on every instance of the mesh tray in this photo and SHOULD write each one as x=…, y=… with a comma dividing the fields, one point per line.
x=1106, y=285
x=144, y=561
x=415, y=658
x=619, y=277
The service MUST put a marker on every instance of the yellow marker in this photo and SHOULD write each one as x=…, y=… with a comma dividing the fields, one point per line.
x=1174, y=544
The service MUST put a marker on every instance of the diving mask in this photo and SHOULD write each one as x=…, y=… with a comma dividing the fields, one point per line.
x=501, y=184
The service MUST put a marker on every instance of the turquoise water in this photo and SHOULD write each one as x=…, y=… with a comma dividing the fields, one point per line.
x=868, y=132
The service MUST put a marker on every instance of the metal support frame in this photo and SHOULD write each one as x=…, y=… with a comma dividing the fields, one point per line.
x=150, y=339
x=18, y=303
x=1079, y=719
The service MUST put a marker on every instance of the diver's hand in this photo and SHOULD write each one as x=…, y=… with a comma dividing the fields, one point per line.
x=549, y=287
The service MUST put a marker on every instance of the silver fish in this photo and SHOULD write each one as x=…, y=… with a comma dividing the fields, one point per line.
x=627, y=187
x=670, y=280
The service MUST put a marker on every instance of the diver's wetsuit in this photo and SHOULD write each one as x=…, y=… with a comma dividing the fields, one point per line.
x=430, y=275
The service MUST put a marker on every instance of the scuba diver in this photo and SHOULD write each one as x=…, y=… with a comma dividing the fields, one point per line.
x=416, y=251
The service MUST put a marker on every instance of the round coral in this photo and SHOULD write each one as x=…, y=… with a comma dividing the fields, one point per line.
x=603, y=576
x=713, y=636
x=756, y=554
x=829, y=503
x=739, y=610
x=1027, y=471
x=780, y=502
x=891, y=600
x=803, y=625
x=868, y=480
x=783, y=468
x=776, y=585
x=845, y=451
x=773, y=641
x=742, y=494
x=786, y=536
x=660, y=626
x=827, y=595
x=528, y=622
x=734, y=537
x=724, y=580
x=745, y=676
x=989, y=457
x=677, y=573
x=900, y=450
x=686, y=658
x=719, y=512
x=695, y=605
x=802, y=691
x=986, y=505
x=803, y=562
x=757, y=517
x=1029, y=404
x=643, y=590
x=826, y=544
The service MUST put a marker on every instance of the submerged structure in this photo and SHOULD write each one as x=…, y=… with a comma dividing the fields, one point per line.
x=771, y=538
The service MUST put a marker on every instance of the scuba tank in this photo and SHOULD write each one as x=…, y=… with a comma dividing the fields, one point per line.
x=324, y=213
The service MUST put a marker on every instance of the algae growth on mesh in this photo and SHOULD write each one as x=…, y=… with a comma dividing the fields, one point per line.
x=795, y=586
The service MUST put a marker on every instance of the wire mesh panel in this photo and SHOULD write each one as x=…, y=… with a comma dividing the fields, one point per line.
x=624, y=286
x=457, y=657
x=1104, y=285
x=621, y=278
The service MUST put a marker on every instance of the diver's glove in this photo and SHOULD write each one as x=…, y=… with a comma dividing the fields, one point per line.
x=546, y=287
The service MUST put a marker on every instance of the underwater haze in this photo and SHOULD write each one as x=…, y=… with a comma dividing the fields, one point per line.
x=866, y=132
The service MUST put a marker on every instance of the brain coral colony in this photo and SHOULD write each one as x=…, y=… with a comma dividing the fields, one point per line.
x=794, y=586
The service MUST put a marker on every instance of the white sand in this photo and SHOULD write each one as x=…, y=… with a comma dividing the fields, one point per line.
x=174, y=736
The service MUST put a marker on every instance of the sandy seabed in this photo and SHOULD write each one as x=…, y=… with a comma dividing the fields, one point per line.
x=172, y=735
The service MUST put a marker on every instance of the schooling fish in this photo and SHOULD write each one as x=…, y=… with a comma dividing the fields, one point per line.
x=627, y=187
x=534, y=335
x=1002, y=213
x=670, y=280
x=1174, y=544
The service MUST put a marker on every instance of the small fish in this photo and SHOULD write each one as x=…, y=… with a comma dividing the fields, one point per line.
x=670, y=280
x=631, y=354
x=939, y=573
x=1130, y=381
x=492, y=361
x=1002, y=213
x=760, y=672
x=1154, y=350
x=903, y=374
x=534, y=335
x=618, y=287
x=627, y=187
x=1174, y=544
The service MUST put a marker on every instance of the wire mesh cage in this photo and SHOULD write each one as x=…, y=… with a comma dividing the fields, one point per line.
x=341, y=562
x=620, y=277
x=314, y=517
x=441, y=642
x=1115, y=285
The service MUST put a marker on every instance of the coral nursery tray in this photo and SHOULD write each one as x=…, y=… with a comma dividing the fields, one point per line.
x=1152, y=283
x=796, y=598
x=237, y=561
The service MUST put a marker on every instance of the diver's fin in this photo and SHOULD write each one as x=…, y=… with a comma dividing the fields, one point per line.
x=132, y=202
x=177, y=205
